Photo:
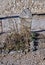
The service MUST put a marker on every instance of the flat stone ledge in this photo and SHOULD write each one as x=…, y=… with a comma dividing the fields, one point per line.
x=38, y=23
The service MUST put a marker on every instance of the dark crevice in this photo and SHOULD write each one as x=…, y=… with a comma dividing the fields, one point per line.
x=7, y=17
x=35, y=41
x=37, y=31
x=35, y=48
x=43, y=58
x=38, y=14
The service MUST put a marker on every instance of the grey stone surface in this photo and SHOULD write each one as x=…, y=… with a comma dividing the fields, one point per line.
x=26, y=13
x=38, y=6
x=10, y=24
x=9, y=7
x=38, y=23
x=31, y=58
x=17, y=7
x=41, y=44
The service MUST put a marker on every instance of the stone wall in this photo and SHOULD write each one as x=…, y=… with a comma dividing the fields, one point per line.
x=37, y=22
x=18, y=7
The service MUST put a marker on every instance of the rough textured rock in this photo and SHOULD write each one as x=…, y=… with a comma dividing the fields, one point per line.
x=26, y=13
x=9, y=7
x=16, y=6
x=20, y=7
x=38, y=6
x=33, y=58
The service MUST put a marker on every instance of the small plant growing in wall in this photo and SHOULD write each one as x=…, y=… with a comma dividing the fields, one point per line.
x=15, y=42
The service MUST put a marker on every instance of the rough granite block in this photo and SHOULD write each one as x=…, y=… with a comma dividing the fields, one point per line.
x=38, y=7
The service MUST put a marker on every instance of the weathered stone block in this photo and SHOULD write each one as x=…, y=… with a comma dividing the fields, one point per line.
x=11, y=24
x=38, y=7
x=8, y=7
x=38, y=23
